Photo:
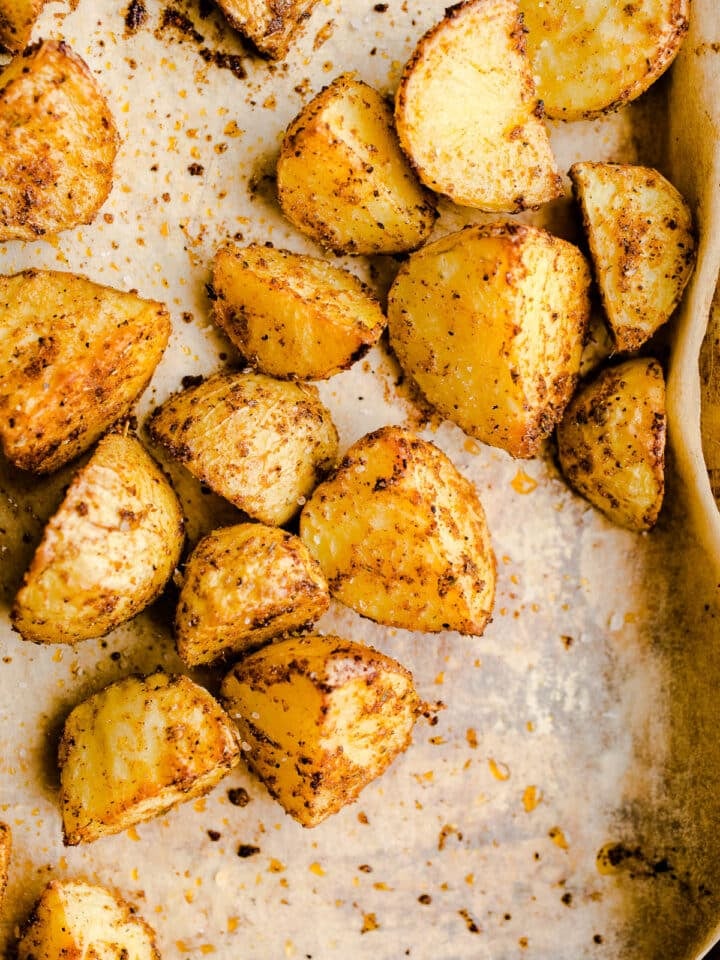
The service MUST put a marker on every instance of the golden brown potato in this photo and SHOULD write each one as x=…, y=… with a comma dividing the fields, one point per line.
x=342, y=178
x=74, y=358
x=107, y=552
x=136, y=749
x=322, y=717
x=642, y=243
x=242, y=586
x=467, y=114
x=489, y=322
x=5, y=853
x=261, y=443
x=401, y=536
x=595, y=56
x=74, y=919
x=611, y=442
x=58, y=143
x=271, y=25
x=293, y=316
x=17, y=18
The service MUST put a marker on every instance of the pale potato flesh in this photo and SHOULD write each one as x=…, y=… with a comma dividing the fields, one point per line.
x=611, y=442
x=293, y=316
x=107, y=552
x=74, y=357
x=58, y=143
x=243, y=585
x=468, y=116
x=342, y=178
x=641, y=237
x=81, y=921
x=271, y=25
x=322, y=717
x=489, y=322
x=17, y=18
x=137, y=748
x=401, y=536
x=5, y=854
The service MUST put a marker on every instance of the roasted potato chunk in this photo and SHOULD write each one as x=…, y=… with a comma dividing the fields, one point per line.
x=322, y=717
x=271, y=25
x=342, y=178
x=261, y=443
x=293, y=316
x=58, y=143
x=642, y=243
x=467, y=114
x=595, y=56
x=5, y=853
x=489, y=321
x=17, y=18
x=75, y=356
x=611, y=442
x=242, y=586
x=77, y=919
x=136, y=749
x=107, y=552
x=401, y=536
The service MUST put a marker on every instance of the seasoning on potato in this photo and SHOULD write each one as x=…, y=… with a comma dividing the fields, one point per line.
x=75, y=355
x=5, y=854
x=322, y=717
x=467, y=113
x=342, y=178
x=270, y=25
x=401, y=536
x=489, y=322
x=138, y=748
x=293, y=316
x=261, y=443
x=17, y=19
x=242, y=586
x=107, y=552
x=73, y=918
x=58, y=143
x=642, y=243
x=611, y=442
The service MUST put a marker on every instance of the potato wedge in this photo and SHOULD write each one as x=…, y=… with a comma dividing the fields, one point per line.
x=323, y=717
x=642, y=242
x=489, y=321
x=136, y=749
x=342, y=178
x=611, y=442
x=261, y=443
x=242, y=586
x=74, y=357
x=271, y=25
x=58, y=143
x=106, y=553
x=401, y=536
x=5, y=854
x=595, y=56
x=74, y=919
x=17, y=18
x=467, y=114
x=293, y=316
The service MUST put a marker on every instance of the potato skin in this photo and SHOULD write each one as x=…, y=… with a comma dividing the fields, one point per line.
x=106, y=553
x=261, y=443
x=58, y=143
x=138, y=748
x=293, y=316
x=611, y=442
x=17, y=18
x=242, y=586
x=271, y=25
x=401, y=536
x=5, y=855
x=489, y=322
x=323, y=717
x=75, y=357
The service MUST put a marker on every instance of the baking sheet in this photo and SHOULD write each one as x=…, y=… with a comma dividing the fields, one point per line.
x=564, y=803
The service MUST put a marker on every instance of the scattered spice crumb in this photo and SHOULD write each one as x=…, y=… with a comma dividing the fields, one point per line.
x=470, y=923
x=425, y=899
x=247, y=850
x=369, y=923
x=214, y=835
x=238, y=796
x=471, y=737
x=558, y=837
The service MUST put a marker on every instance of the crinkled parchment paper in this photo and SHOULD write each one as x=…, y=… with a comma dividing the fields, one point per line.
x=565, y=803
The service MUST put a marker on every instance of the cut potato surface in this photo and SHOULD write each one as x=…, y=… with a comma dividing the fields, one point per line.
x=138, y=748
x=401, y=536
x=489, y=322
x=597, y=55
x=17, y=18
x=271, y=25
x=642, y=243
x=293, y=316
x=107, y=552
x=58, y=143
x=467, y=114
x=322, y=717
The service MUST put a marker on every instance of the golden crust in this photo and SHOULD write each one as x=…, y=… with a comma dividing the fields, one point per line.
x=271, y=25
x=17, y=18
